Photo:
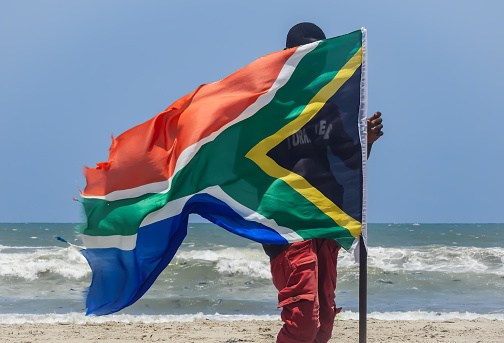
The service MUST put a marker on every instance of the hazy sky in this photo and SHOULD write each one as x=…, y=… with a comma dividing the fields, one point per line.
x=74, y=72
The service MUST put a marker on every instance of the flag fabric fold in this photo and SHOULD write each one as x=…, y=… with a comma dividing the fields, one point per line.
x=275, y=152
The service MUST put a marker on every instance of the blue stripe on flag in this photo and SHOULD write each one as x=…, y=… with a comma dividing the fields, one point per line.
x=121, y=277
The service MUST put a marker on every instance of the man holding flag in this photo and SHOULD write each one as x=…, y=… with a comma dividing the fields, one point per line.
x=296, y=184
x=305, y=272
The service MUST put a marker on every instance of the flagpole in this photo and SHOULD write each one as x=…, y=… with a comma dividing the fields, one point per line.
x=362, y=291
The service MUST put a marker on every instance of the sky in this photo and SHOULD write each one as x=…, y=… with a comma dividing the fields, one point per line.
x=73, y=73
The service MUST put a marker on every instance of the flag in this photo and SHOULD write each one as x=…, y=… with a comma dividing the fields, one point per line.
x=275, y=152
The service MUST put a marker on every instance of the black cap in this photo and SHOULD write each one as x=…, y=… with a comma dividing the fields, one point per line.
x=299, y=33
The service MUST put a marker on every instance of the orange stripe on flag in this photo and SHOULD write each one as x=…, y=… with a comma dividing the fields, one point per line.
x=149, y=152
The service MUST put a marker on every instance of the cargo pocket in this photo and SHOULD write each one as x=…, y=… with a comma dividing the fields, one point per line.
x=301, y=276
x=296, y=298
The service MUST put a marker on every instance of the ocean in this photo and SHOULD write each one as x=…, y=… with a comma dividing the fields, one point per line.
x=415, y=271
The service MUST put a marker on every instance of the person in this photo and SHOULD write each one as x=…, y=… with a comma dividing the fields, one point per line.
x=305, y=272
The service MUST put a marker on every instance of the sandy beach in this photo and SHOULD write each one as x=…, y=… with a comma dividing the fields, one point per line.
x=209, y=331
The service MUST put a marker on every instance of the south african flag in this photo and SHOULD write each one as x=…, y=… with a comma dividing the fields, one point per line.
x=274, y=152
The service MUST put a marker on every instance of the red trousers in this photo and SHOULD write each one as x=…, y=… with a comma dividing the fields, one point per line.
x=305, y=276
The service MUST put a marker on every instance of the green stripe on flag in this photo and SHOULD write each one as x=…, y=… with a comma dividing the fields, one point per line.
x=222, y=161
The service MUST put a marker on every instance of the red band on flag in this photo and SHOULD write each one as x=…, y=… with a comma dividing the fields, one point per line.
x=148, y=152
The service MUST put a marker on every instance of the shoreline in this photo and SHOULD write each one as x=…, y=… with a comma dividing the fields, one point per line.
x=79, y=318
x=257, y=331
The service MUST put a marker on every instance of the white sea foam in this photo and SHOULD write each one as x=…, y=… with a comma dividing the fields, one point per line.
x=80, y=318
x=436, y=259
x=421, y=315
x=250, y=262
x=29, y=262
x=453, y=259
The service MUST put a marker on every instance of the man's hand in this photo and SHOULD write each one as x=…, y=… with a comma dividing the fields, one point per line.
x=374, y=128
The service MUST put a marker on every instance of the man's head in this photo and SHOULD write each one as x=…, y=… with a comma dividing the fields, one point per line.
x=303, y=33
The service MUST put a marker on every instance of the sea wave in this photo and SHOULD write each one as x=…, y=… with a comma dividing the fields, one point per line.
x=431, y=258
x=229, y=261
x=30, y=263
x=434, y=258
x=80, y=318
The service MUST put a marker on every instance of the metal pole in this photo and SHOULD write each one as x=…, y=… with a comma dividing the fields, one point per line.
x=362, y=291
